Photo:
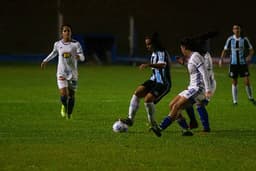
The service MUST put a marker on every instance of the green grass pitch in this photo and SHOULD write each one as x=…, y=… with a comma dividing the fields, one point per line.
x=33, y=136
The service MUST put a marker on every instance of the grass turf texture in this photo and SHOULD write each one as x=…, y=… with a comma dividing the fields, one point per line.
x=33, y=136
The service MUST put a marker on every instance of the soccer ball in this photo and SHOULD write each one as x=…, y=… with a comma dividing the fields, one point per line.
x=119, y=126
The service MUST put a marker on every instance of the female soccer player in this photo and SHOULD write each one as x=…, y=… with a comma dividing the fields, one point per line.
x=202, y=44
x=69, y=51
x=198, y=89
x=238, y=45
x=156, y=87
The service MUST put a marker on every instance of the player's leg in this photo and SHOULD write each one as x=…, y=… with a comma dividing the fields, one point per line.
x=248, y=89
x=233, y=73
x=140, y=92
x=177, y=104
x=191, y=114
x=157, y=92
x=234, y=90
x=63, y=89
x=150, y=108
x=203, y=117
x=184, y=126
x=71, y=102
x=72, y=86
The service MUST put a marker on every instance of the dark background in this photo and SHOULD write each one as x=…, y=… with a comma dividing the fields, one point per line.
x=30, y=26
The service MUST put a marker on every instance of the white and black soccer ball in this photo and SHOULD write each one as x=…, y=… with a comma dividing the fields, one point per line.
x=119, y=126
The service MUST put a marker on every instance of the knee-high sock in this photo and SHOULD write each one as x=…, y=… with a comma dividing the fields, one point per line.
x=248, y=89
x=234, y=93
x=167, y=121
x=191, y=114
x=134, y=106
x=183, y=124
x=71, y=103
x=204, y=117
x=150, y=108
x=64, y=100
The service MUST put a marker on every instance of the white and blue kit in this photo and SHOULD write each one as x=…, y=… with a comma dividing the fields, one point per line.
x=67, y=52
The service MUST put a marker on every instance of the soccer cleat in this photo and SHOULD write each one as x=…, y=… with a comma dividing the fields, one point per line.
x=253, y=101
x=187, y=133
x=206, y=130
x=69, y=116
x=193, y=124
x=63, y=111
x=127, y=121
x=156, y=130
x=234, y=103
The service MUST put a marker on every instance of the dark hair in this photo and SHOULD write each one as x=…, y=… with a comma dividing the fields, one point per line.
x=198, y=43
x=155, y=40
x=241, y=29
x=65, y=25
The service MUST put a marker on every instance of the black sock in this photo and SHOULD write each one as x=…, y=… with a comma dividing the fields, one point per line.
x=64, y=100
x=71, y=103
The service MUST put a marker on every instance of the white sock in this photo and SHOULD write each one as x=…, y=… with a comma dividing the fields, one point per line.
x=248, y=89
x=234, y=93
x=150, y=108
x=134, y=106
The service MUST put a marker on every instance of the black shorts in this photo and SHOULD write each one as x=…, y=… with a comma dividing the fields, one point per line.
x=157, y=89
x=238, y=70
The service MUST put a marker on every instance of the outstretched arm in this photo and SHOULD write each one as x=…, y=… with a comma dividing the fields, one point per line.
x=158, y=66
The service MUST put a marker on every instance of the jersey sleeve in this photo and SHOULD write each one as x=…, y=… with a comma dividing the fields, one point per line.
x=53, y=54
x=248, y=43
x=227, y=44
x=198, y=61
x=79, y=52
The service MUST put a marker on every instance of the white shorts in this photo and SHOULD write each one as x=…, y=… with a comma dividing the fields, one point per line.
x=193, y=95
x=71, y=84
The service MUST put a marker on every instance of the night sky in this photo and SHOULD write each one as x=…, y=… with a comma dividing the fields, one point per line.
x=30, y=27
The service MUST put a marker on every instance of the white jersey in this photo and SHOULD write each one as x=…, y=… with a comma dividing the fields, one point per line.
x=199, y=78
x=209, y=67
x=67, y=53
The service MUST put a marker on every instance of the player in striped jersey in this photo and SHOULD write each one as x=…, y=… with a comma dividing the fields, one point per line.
x=199, y=88
x=69, y=51
x=240, y=58
x=156, y=87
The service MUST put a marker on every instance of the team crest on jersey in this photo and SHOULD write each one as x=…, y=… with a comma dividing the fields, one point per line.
x=66, y=55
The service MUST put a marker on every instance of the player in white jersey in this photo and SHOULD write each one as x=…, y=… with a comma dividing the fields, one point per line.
x=198, y=89
x=69, y=51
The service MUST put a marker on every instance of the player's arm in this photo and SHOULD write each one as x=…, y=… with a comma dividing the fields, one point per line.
x=205, y=74
x=249, y=57
x=80, y=55
x=52, y=55
x=251, y=50
x=225, y=50
x=158, y=65
x=181, y=60
x=223, y=55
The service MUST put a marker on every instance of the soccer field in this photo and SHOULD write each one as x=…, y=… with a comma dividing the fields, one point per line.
x=33, y=136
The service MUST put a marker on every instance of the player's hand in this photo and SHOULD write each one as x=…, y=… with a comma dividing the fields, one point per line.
x=208, y=94
x=248, y=59
x=180, y=60
x=77, y=57
x=143, y=66
x=43, y=64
